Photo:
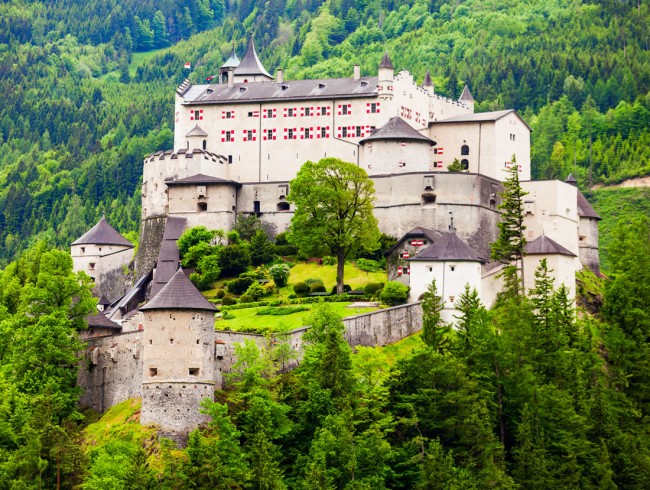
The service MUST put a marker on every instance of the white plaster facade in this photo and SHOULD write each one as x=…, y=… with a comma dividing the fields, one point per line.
x=98, y=259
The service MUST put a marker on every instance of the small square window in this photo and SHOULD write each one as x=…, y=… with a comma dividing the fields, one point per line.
x=194, y=371
x=153, y=371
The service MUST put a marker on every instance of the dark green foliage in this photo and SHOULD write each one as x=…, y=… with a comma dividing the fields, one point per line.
x=246, y=298
x=193, y=237
x=228, y=300
x=301, y=288
x=369, y=265
x=255, y=291
x=317, y=288
x=240, y=285
x=221, y=293
x=281, y=310
x=234, y=259
x=262, y=249
x=434, y=330
x=372, y=288
x=394, y=293
x=280, y=274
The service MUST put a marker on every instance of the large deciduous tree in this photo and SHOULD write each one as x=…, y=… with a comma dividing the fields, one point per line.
x=334, y=201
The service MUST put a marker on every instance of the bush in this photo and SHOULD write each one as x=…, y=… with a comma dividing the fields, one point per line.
x=317, y=288
x=255, y=291
x=269, y=288
x=346, y=288
x=194, y=236
x=227, y=316
x=372, y=288
x=285, y=250
x=220, y=293
x=234, y=259
x=196, y=252
x=329, y=260
x=228, y=300
x=246, y=298
x=369, y=265
x=394, y=293
x=311, y=282
x=280, y=274
x=239, y=286
x=282, y=310
x=301, y=289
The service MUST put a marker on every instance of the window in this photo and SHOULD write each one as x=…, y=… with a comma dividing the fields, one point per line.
x=256, y=207
x=269, y=134
x=269, y=113
x=428, y=198
x=344, y=132
x=196, y=115
x=249, y=135
x=512, y=137
x=289, y=112
x=229, y=158
x=290, y=134
x=307, y=134
x=372, y=108
x=308, y=111
x=283, y=206
x=153, y=372
x=464, y=150
x=171, y=341
x=452, y=268
x=228, y=136
x=323, y=132
x=194, y=371
x=83, y=249
x=464, y=164
x=91, y=266
x=344, y=109
x=323, y=111
x=202, y=207
x=359, y=131
x=205, y=144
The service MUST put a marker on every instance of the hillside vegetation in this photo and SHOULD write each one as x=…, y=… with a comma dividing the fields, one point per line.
x=77, y=118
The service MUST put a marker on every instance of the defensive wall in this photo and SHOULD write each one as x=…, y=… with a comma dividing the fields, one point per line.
x=112, y=369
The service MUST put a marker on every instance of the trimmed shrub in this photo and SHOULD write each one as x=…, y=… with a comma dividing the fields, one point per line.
x=346, y=288
x=329, y=260
x=246, y=298
x=394, y=293
x=269, y=288
x=220, y=293
x=280, y=274
x=255, y=291
x=301, y=289
x=313, y=281
x=317, y=288
x=372, y=288
x=282, y=310
x=228, y=300
x=239, y=286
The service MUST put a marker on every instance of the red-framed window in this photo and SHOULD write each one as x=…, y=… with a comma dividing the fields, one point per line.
x=196, y=115
x=227, y=114
x=269, y=113
x=269, y=134
x=373, y=108
x=344, y=109
x=250, y=134
x=227, y=135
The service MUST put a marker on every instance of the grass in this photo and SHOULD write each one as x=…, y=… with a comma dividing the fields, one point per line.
x=402, y=348
x=121, y=421
x=247, y=320
x=139, y=58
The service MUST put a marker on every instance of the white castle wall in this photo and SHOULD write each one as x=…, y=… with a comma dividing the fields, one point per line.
x=391, y=157
x=99, y=261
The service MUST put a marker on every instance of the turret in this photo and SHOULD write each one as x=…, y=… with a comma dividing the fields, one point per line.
x=587, y=230
x=467, y=98
x=251, y=69
x=196, y=138
x=231, y=63
x=385, y=75
x=178, y=358
x=427, y=84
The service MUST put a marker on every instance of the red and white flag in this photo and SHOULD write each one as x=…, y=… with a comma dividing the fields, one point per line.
x=188, y=65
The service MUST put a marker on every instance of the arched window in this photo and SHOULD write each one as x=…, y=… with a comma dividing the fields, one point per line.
x=283, y=206
x=205, y=144
x=464, y=150
x=464, y=164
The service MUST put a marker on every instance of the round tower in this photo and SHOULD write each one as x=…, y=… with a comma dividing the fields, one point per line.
x=385, y=78
x=178, y=358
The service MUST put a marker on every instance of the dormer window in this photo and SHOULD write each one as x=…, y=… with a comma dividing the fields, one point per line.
x=322, y=85
x=285, y=87
x=243, y=89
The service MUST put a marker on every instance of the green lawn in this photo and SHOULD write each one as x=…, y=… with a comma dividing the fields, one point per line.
x=402, y=348
x=247, y=319
x=138, y=59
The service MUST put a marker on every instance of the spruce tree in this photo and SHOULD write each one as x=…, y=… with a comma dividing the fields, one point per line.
x=434, y=329
x=510, y=246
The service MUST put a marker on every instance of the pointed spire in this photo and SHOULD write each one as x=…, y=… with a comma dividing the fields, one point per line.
x=233, y=60
x=102, y=234
x=179, y=294
x=427, y=80
x=250, y=63
x=466, y=96
x=385, y=62
x=571, y=180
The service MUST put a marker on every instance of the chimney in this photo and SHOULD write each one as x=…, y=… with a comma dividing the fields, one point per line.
x=357, y=72
x=279, y=77
x=231, y=77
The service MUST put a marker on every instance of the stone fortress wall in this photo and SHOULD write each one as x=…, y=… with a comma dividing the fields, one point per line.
x=112, y=370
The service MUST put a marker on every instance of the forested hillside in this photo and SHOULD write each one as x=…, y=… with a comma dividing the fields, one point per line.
x=79, y=113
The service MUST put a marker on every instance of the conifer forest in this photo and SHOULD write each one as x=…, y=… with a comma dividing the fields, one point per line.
x=537, y=392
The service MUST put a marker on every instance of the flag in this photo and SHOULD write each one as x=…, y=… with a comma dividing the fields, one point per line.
x=210, y=78
x=188, y=65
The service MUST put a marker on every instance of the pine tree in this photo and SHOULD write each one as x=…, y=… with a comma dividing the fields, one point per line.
x=434, y=329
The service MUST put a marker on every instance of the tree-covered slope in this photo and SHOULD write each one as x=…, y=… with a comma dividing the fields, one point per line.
x=74, y=122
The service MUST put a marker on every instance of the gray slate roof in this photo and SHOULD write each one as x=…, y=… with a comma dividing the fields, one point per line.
x=179, y=294
x=396, y=129
x=449, y=247
x=103, y=301
x=480, y=117
x=385, y=62
x=466, y=95
x=418, y=232
x=543, y=245
x=427, y=80
x=102, y=234
x=233, y=60
x=199, y=179
x=323, y=89
x=99, y=320
x=585, y=210
x=196, y=131
x=250, y=63
x=169, y=255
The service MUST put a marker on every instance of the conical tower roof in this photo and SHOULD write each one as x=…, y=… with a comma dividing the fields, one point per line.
x=571, y=180
x=449, y=247
x=543, y=245
x=102, y=234
x=427, y=80
x=250, y=63
x=397, y=129
x=385, y=62
x=466, y=96
x=179, y=294
x=233, y=60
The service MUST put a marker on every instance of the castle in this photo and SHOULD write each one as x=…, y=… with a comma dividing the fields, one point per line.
x=237, y=146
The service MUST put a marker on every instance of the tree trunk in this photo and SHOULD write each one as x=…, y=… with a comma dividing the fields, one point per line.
x=340, y=270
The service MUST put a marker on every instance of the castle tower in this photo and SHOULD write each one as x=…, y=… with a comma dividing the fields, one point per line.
x=178, y=358
x=587, y=230
x=251, y=69
x=385, y=78
x=427, y=84
x=100, y=251
x=231, y=63
x=467, y=98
